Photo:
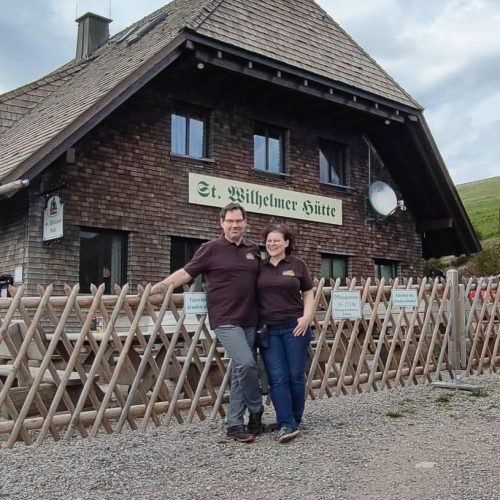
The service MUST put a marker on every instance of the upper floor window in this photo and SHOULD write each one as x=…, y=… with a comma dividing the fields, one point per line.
x=387, y=269
x=332, y=163
x=268, y=147
x=333, y=267
x=188, y=135
x=103, y=259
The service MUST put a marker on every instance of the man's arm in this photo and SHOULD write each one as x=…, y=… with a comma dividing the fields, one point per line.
x=180, y=277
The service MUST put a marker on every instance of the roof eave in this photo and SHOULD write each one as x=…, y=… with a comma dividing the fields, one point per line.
x=461, y=221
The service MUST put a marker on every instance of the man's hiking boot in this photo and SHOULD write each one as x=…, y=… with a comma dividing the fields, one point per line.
x=287, y=434
x=255, y=423
x=238, y=433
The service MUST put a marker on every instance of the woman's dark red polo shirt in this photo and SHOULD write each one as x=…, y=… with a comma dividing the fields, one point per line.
x=279, y=290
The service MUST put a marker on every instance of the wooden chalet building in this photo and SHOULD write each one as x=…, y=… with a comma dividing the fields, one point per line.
x=130, y=149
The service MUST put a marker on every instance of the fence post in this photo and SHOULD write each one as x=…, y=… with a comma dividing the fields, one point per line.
x=457, y=353
x=457, y=317
x=462, y=336
x=454, y=307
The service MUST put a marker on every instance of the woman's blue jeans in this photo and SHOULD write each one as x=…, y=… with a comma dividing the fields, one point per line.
x=285, y=361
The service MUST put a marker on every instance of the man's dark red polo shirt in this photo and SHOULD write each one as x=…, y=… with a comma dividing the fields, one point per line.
x=231, y=272
x=278, y=288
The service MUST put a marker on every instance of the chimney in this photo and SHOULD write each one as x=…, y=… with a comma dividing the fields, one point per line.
x=93, y=32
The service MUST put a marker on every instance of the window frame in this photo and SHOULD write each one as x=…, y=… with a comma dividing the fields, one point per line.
x=331, y=257
x=188, y=116
x=123, y=265
x=268, y=131
x=385, y=262
x=338, y=148
x=190, y=247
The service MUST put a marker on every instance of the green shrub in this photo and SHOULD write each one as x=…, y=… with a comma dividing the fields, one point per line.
x=487, y=262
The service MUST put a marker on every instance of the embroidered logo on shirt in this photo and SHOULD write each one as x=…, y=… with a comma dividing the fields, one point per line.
x=288, y=273
x=250, y=256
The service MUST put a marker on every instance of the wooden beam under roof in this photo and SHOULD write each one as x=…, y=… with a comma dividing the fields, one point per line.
x=435, y=225
x=268, y=74
x=197, y=41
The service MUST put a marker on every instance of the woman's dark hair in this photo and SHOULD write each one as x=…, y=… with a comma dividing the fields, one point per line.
x=284, y=229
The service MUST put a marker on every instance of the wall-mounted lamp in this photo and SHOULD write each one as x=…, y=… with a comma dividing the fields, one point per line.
x=200, y=65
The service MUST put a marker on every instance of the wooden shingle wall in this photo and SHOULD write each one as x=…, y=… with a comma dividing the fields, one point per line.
x=124, y=178
x=13, y=224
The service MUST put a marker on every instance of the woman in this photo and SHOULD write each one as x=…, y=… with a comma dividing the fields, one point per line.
x=286, y=306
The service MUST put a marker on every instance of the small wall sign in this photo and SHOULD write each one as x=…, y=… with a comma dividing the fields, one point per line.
x=404, y=298
x=18, y=275
x=195, y=302
x=53, y=219
x=346, y=304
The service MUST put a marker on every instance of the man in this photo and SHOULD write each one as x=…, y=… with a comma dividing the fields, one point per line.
x=231, y=265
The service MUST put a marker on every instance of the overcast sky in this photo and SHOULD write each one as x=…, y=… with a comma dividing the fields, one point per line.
x=445, y=53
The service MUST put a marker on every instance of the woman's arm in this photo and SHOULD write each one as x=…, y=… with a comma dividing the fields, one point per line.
x=305, y=320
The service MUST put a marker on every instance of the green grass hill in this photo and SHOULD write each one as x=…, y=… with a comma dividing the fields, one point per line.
x=482, y=202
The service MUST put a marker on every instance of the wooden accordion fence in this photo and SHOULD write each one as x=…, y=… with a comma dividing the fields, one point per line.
x=82, y=363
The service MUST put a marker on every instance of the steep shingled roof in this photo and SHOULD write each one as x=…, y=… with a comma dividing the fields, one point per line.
x=19, y=102
x=297, y=33
x=302, y=35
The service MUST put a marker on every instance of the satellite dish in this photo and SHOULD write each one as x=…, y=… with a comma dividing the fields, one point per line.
x=382, y=198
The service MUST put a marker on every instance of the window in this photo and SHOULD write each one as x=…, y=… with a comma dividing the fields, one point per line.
x=334, y=266
x=181, y=252
x=268, y=149
x=102, y=259
x=387, y=269
x=188, y=135
x=332, y=163
x=135, y=34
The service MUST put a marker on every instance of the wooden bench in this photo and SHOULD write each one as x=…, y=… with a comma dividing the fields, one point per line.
x=74, y=377
x=16, y=332
x=46, y=390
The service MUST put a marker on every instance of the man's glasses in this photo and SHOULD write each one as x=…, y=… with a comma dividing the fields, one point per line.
x=234, y=221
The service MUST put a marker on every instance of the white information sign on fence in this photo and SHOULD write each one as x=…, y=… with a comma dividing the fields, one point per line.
x=404, y=298
x=346, y=304
x=195, y=303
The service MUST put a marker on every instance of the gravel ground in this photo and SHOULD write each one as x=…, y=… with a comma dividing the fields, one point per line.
x=419, y=442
